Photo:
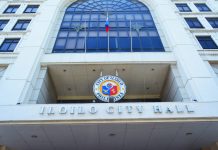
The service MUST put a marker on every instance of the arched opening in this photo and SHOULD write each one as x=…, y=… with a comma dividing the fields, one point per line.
x=132, y=28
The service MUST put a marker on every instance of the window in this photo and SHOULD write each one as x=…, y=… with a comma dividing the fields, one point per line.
x=193, y=23
x=132, y=28
x=207, y=42
x=183, y=7
x=202, y=7
x=11, y=9
x=213, y=22
x=31, y=9
x=9, y=45
x=3, y=23
x=21, y=25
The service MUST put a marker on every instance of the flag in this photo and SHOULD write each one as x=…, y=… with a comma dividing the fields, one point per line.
x=107, y=25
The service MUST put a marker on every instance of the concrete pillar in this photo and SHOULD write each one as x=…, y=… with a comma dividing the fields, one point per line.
x=174, y=90
x=196, y=76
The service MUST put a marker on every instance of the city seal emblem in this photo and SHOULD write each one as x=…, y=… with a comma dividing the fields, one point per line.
x=108, y=88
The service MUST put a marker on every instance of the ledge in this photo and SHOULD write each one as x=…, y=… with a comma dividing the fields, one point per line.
x=18, y=32
x=109, y=111
x=210, y=13
x=19, y=15
x=210, y=55
x=201, y=30
x=7, y=57
x=108, y=58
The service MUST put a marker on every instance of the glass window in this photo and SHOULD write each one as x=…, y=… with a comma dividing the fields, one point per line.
x=207, y=42
x=63, y=34
x=156, y=44
x=113, y=44
x=68, y=17
x=91, y=44
x=213, y=22
x=193, y=23
x=71, y=43
x=138, y=17
x=129, y=16
x=9, y=45
x=3, y=23
x=124, y=44
x=31, y=9
x=103, y=44
x=202, y=7
x=136, y=44
x=11, y=9
x=80, y=43
x=128, y=21
x=60, y=44
x=183, y=7
x=21, y=25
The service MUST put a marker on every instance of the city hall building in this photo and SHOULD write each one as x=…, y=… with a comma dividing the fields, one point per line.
x=108, y=75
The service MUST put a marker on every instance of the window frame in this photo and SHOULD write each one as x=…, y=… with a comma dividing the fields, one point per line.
x=215, y=21
x=179, y=5
x=191, y=23
x=206, y=41
x=14, y=42
x=202, y=6
x=3, y=22
x=22, y=22
x=13, y=7
x=32, y=7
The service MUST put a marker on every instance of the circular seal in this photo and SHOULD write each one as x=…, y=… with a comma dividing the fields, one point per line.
x=107, y=87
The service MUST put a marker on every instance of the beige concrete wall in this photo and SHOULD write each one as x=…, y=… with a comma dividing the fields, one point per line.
x=43, y=91
x=174, y=89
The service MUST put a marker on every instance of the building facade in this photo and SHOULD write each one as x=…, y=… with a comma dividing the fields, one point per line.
x=52, y=53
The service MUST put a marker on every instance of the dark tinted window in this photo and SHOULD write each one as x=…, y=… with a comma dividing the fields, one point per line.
x=31, y=9
x=183, y=7
x=193, y=23
x=9, y=45
x=207, y=42
x=21, y=25
x=12, y=9
x=3, y=23
x=202, y=7
x=213, y=22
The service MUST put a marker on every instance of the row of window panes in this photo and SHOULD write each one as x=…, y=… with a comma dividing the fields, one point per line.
x=116, y=44
x=112, y=24
x=202, y=7
x=13, y=8
x=20, y=24
x=120, y=44
x=8, y=45
x=195, y=23
x=101, y=17
x=132, y=33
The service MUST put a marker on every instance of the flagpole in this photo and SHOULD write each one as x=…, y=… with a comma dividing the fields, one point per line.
x=108, y=37
x=85, y=36
x=130, y=30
